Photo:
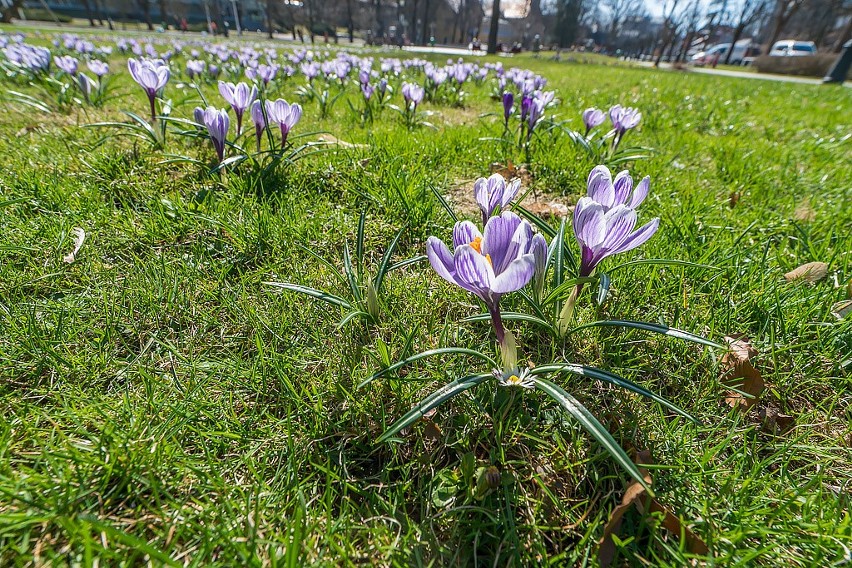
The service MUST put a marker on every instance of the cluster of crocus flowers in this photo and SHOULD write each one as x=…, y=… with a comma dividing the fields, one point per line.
x=152, y=75
x=504, y=257
x=605, y=219
x=217, y=123
x=240, y=97
x=67, y=64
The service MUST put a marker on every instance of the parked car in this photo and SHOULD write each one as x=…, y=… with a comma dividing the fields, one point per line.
x=718, y=53
x=792, y=48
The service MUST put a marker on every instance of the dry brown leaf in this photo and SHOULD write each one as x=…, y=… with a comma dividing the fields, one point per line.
x=739, y=373
x=733, y=199
x=810, y=272
x=432, y=431
x=804, y=212
x=774, y=422
x=635, y=494
x=842, y=309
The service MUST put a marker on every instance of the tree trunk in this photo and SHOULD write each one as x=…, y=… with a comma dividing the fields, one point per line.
x=11, y=11
x=164, y=13
x=269, y=19
x=88, y=7
x=424, y=39
x=495, y=27
x=350, y=23
x=738, y=32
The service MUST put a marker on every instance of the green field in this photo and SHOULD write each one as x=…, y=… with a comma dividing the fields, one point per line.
x=159, y=403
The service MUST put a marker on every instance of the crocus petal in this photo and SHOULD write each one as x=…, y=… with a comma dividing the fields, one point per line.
x=589, y=224
x=623, y=185
x=473, y=271
x=599, y=185
x=517, y=275
x=640, y=193
x=504, y=239
x=511, y=191
x=464, y=233
x=441, y=259
x=639, y=236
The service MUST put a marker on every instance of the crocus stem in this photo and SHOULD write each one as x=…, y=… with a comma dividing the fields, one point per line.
x=497, y=322
x=153, y=108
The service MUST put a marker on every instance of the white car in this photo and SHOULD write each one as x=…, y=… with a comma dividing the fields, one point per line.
x=793, y=48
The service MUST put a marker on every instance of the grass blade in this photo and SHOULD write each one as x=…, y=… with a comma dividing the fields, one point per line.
x=652, y=327
x=434, y=400
x=350, y=274
x=513, y=316
x=314, y=293
x=383, y=267
x=606, y=376
x=423, y=355
x=591, y=424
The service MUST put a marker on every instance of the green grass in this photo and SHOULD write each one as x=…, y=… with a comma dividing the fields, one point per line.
x=159, y=403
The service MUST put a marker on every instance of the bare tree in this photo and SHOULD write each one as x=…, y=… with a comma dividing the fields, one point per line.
x=618, y=11
x=495, y=26
x=164, y=11
x=145, y=6
x=669, y=31
x=748, y=12
x=784, y=10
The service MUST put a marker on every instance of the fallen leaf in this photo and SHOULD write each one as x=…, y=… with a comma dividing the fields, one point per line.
x=733, y=199
x=842, y=309
x=804, y=212
x=774, y=422
x=810, y=272
x=79, y=238
x=431, y=431
x=738, y=373
x=634, y=495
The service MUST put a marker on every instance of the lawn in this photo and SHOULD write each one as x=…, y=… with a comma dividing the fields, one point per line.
x=161, y=403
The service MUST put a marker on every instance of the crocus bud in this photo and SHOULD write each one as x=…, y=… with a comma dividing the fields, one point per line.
x=508, y=105
x=372, y=301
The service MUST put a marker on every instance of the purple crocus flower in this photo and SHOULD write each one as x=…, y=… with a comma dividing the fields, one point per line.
x=593, y=118
x=367, y=90
x=413, y=94
x=285, y=115
x=217, y=123
x=494, y=193
x=610, y=193
x=259, y=121
x=66, y=63
x=623, y=119
x=99, y=68
x=526, y=104
x=604, y=228
x=151, y=76
x=195, y=67
x=508, y=106
x=240, y=97
x=488, y=264
x=383, y=87
x=86, y=84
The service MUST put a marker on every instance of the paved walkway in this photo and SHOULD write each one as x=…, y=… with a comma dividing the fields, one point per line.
x=746, y=74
